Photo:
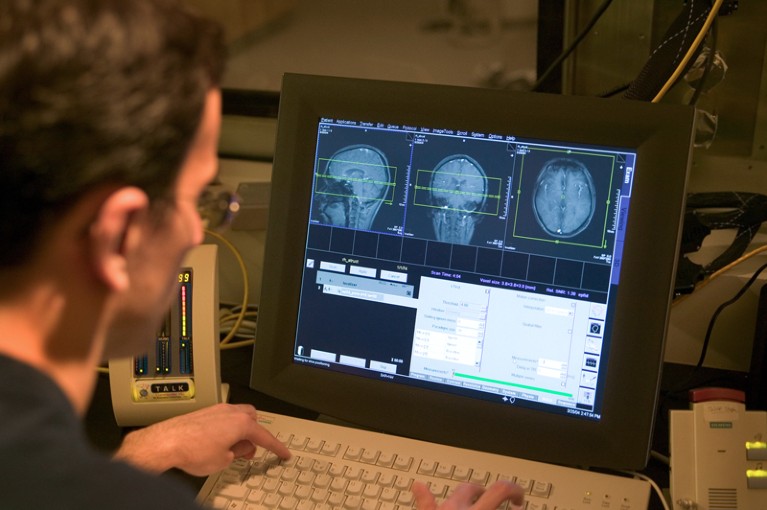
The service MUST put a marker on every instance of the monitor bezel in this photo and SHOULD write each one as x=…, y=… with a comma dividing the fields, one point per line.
x=662, y=137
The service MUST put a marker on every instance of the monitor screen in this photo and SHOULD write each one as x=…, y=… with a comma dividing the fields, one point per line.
x=480, y=268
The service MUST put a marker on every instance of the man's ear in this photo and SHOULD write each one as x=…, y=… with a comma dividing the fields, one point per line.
x=115, y=232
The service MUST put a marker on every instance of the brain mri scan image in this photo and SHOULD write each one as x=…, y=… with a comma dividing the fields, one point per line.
x=350, y=191
x=458, y=189
x=564, y=197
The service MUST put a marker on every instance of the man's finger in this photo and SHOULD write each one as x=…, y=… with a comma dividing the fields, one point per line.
x=466, y=494
x=424, y=499
x=499, y=492
x=243, y=449
x=261, y=437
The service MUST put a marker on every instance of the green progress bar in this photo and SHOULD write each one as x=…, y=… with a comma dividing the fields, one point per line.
x=506, y=383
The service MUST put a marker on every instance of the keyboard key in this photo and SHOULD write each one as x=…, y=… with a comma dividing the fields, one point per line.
x=288, y=503
x=372, y=491
x=284, y=437
x=444, y=470
x=405, y=498
x=479, y=477
x=336, y=499
x=304, y=504
x=338, y=485
x=231, y=477
x=330, y=449
x=272, y=500
x=314, y=445
x=541, y=489
x=427, y=467
x=385, y=460
x=403, y=483
x=255, y=482
x=353, y=473
x=403, y=462
x=386, y=479
x=389, y=495
x=369, y=476
x=369, y=456
x=298, y=442
x=438, y=489
x=320, y=466
x=256, y=496
x=233, y=491
x=240, y=465
x=353, y=453
x=270, y=485
x=303, y=492
x=322, y=481
x=355, y=487
x=304, y=463
x=461, y=473
x=289, y=474
x=291, y=462
x=352, y=502
x=525, y=483
x=319, y=495
x=305, y=478
x=369, y=504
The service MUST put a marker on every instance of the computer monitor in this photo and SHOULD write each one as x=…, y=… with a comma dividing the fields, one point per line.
x=480, y=268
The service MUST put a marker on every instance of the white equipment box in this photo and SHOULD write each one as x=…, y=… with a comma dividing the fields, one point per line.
x=718, y=453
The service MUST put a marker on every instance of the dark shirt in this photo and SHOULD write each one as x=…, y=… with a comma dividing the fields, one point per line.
x=46, y=460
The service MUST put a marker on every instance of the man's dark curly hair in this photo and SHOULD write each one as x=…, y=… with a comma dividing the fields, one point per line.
x=95, y=93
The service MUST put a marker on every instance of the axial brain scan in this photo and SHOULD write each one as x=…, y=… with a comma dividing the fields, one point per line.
x=458, y=189
x=564, y=197
x=352, y=188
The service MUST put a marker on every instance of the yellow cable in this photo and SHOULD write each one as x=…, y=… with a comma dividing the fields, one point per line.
x=244, y=270
x=690, y=52
x=237, y=345
x=232, y=316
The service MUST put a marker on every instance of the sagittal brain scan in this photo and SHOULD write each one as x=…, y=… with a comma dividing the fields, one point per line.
x=458, y=190
x=350, y=191
x=564, y=197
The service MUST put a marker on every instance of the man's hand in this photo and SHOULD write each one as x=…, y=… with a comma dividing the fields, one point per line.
x=469, y=496
x=201, y=442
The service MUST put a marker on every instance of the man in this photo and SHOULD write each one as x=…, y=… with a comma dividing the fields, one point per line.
x=109, y=120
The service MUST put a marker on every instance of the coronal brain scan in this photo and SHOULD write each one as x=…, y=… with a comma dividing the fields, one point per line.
x=350, y=191
x=564, y=197
x=458, y=190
